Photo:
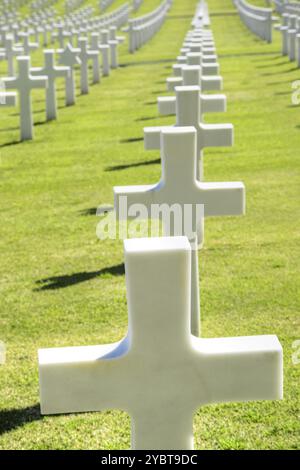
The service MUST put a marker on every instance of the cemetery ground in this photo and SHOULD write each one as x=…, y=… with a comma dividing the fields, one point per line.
x=61, y=286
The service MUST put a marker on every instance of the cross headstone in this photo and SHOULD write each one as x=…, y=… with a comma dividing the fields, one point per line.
x=24, y=83
x=11, y=51
x=69, y=57
x=179, y=187
x=189, y=112
x=192, y=75
x=159, y=373
x=52, y=72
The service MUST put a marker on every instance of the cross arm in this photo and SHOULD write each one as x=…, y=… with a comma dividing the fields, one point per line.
x=240, y=369
x=222, y=199
x=92, y=54
x=209, y=59
x=81, y=379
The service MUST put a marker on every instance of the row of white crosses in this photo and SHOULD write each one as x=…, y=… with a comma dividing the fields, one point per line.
x=160, y=373
x=71, y=5
x=290, y=31
x=143, y=28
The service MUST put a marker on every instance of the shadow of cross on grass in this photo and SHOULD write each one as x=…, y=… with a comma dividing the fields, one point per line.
x=15, y=418
x=67, y=280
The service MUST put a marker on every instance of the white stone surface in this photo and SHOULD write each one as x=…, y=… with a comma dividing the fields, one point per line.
x=8, y=99
x=190, y=109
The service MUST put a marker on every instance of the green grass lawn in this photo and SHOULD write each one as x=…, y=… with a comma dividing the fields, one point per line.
x=61, y=286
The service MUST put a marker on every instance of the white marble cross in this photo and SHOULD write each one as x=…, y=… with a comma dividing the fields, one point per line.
x=159, y=373
x=27, y=45
x=52, y=72
x=24, y=83
x=69, y=57
x=61, y=35
x=113, y=47
x=193, y=75
x=179, y=187
x=85, y=55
